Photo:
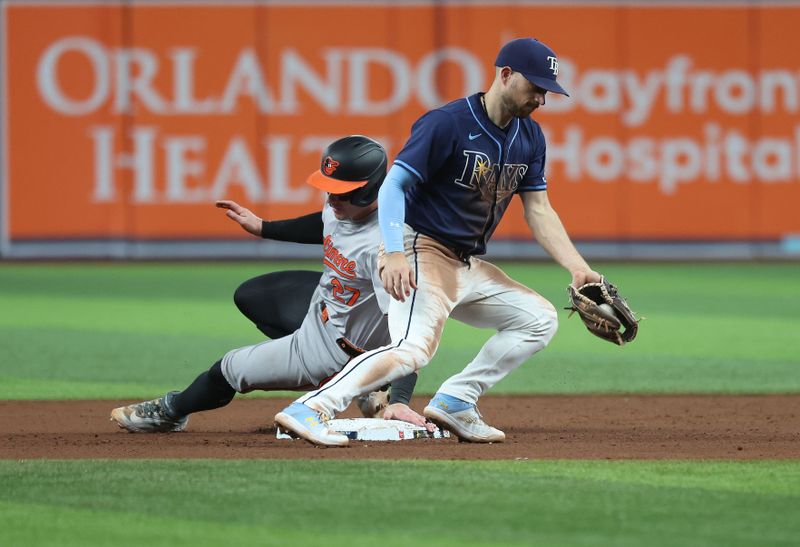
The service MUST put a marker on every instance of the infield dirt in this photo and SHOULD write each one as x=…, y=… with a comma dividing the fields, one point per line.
x=537, y=427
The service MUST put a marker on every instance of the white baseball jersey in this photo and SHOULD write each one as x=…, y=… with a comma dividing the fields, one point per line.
x=349, y=303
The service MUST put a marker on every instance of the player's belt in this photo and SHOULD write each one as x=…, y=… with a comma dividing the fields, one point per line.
x=461, y=254
x=349, y=348
x=344, y=344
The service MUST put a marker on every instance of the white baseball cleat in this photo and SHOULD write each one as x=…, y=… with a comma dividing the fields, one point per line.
x=307, y=423
x=462, y=419
x=148, y=417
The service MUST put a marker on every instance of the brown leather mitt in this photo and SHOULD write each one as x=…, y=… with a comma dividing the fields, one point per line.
x=604, y=312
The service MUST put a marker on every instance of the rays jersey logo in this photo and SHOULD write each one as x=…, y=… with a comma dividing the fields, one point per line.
x=481, y=174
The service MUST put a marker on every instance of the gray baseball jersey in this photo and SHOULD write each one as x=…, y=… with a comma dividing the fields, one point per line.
x=350, y=286
x=348, y=305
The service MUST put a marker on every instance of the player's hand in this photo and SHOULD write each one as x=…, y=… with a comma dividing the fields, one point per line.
x=397, y=276
x=245, y=217
x=399, y=411
x=582, y=277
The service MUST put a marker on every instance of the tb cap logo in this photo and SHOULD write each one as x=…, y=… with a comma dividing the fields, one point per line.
x=553, y=65
x=534, y=60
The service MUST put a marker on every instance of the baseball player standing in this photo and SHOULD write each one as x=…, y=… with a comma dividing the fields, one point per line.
x=347, y=310
x=440, y=204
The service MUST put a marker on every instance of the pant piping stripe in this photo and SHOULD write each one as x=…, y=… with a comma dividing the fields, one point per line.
x=337, y=378
x=416, y=281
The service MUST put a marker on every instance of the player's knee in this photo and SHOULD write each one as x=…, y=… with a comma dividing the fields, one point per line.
x=549, y=325
x=542, y=325
x=404, y=368
x=414, y=355
x=243, y=297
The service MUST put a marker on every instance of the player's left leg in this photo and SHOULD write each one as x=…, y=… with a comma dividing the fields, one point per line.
x=525, y=323
x=524, y=320
x=277, y=302
x=415, y=326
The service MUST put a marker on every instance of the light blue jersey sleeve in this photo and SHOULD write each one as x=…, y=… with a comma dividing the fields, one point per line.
x=392, y=207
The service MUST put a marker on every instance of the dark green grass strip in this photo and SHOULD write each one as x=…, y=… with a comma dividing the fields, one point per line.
x=566, y=503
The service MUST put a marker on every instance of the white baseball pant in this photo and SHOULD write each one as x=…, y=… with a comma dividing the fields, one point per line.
x=476, y=293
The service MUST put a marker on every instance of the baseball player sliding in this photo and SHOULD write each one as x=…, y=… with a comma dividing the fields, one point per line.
x=347, y=313
x=440, y=204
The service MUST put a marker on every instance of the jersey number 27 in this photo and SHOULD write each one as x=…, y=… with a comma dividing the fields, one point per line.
x=344, y=294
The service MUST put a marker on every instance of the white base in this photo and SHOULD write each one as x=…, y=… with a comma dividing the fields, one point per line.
x=376, y=429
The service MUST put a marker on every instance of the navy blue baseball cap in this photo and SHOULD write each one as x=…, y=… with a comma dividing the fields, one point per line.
x=534, y=60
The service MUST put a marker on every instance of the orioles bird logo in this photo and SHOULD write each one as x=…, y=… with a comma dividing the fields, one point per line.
x=329, y=165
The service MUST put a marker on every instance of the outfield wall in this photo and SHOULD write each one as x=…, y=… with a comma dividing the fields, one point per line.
x=123, y=121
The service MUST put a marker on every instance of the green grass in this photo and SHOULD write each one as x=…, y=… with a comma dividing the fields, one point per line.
x=136, y=330
x=553, y=503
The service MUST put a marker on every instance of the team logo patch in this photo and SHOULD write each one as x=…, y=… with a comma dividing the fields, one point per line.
x=492, y=181
x=329, y=165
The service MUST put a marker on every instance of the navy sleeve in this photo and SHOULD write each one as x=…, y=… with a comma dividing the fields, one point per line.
x=433, y=139
x=534, y=179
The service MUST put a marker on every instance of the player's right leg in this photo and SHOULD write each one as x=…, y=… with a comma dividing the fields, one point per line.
x=277, y=303
x=171, y=412
x=149, y=417
x=269, y=365
x=415, y=326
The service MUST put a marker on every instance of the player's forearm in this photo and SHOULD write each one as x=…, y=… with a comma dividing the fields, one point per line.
x=392, y=207
x=549, y=231
x=305, y=229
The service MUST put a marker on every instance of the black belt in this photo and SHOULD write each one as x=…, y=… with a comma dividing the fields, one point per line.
x=344, y=344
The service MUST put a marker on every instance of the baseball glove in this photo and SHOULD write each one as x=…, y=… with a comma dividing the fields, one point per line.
x=604, y=312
